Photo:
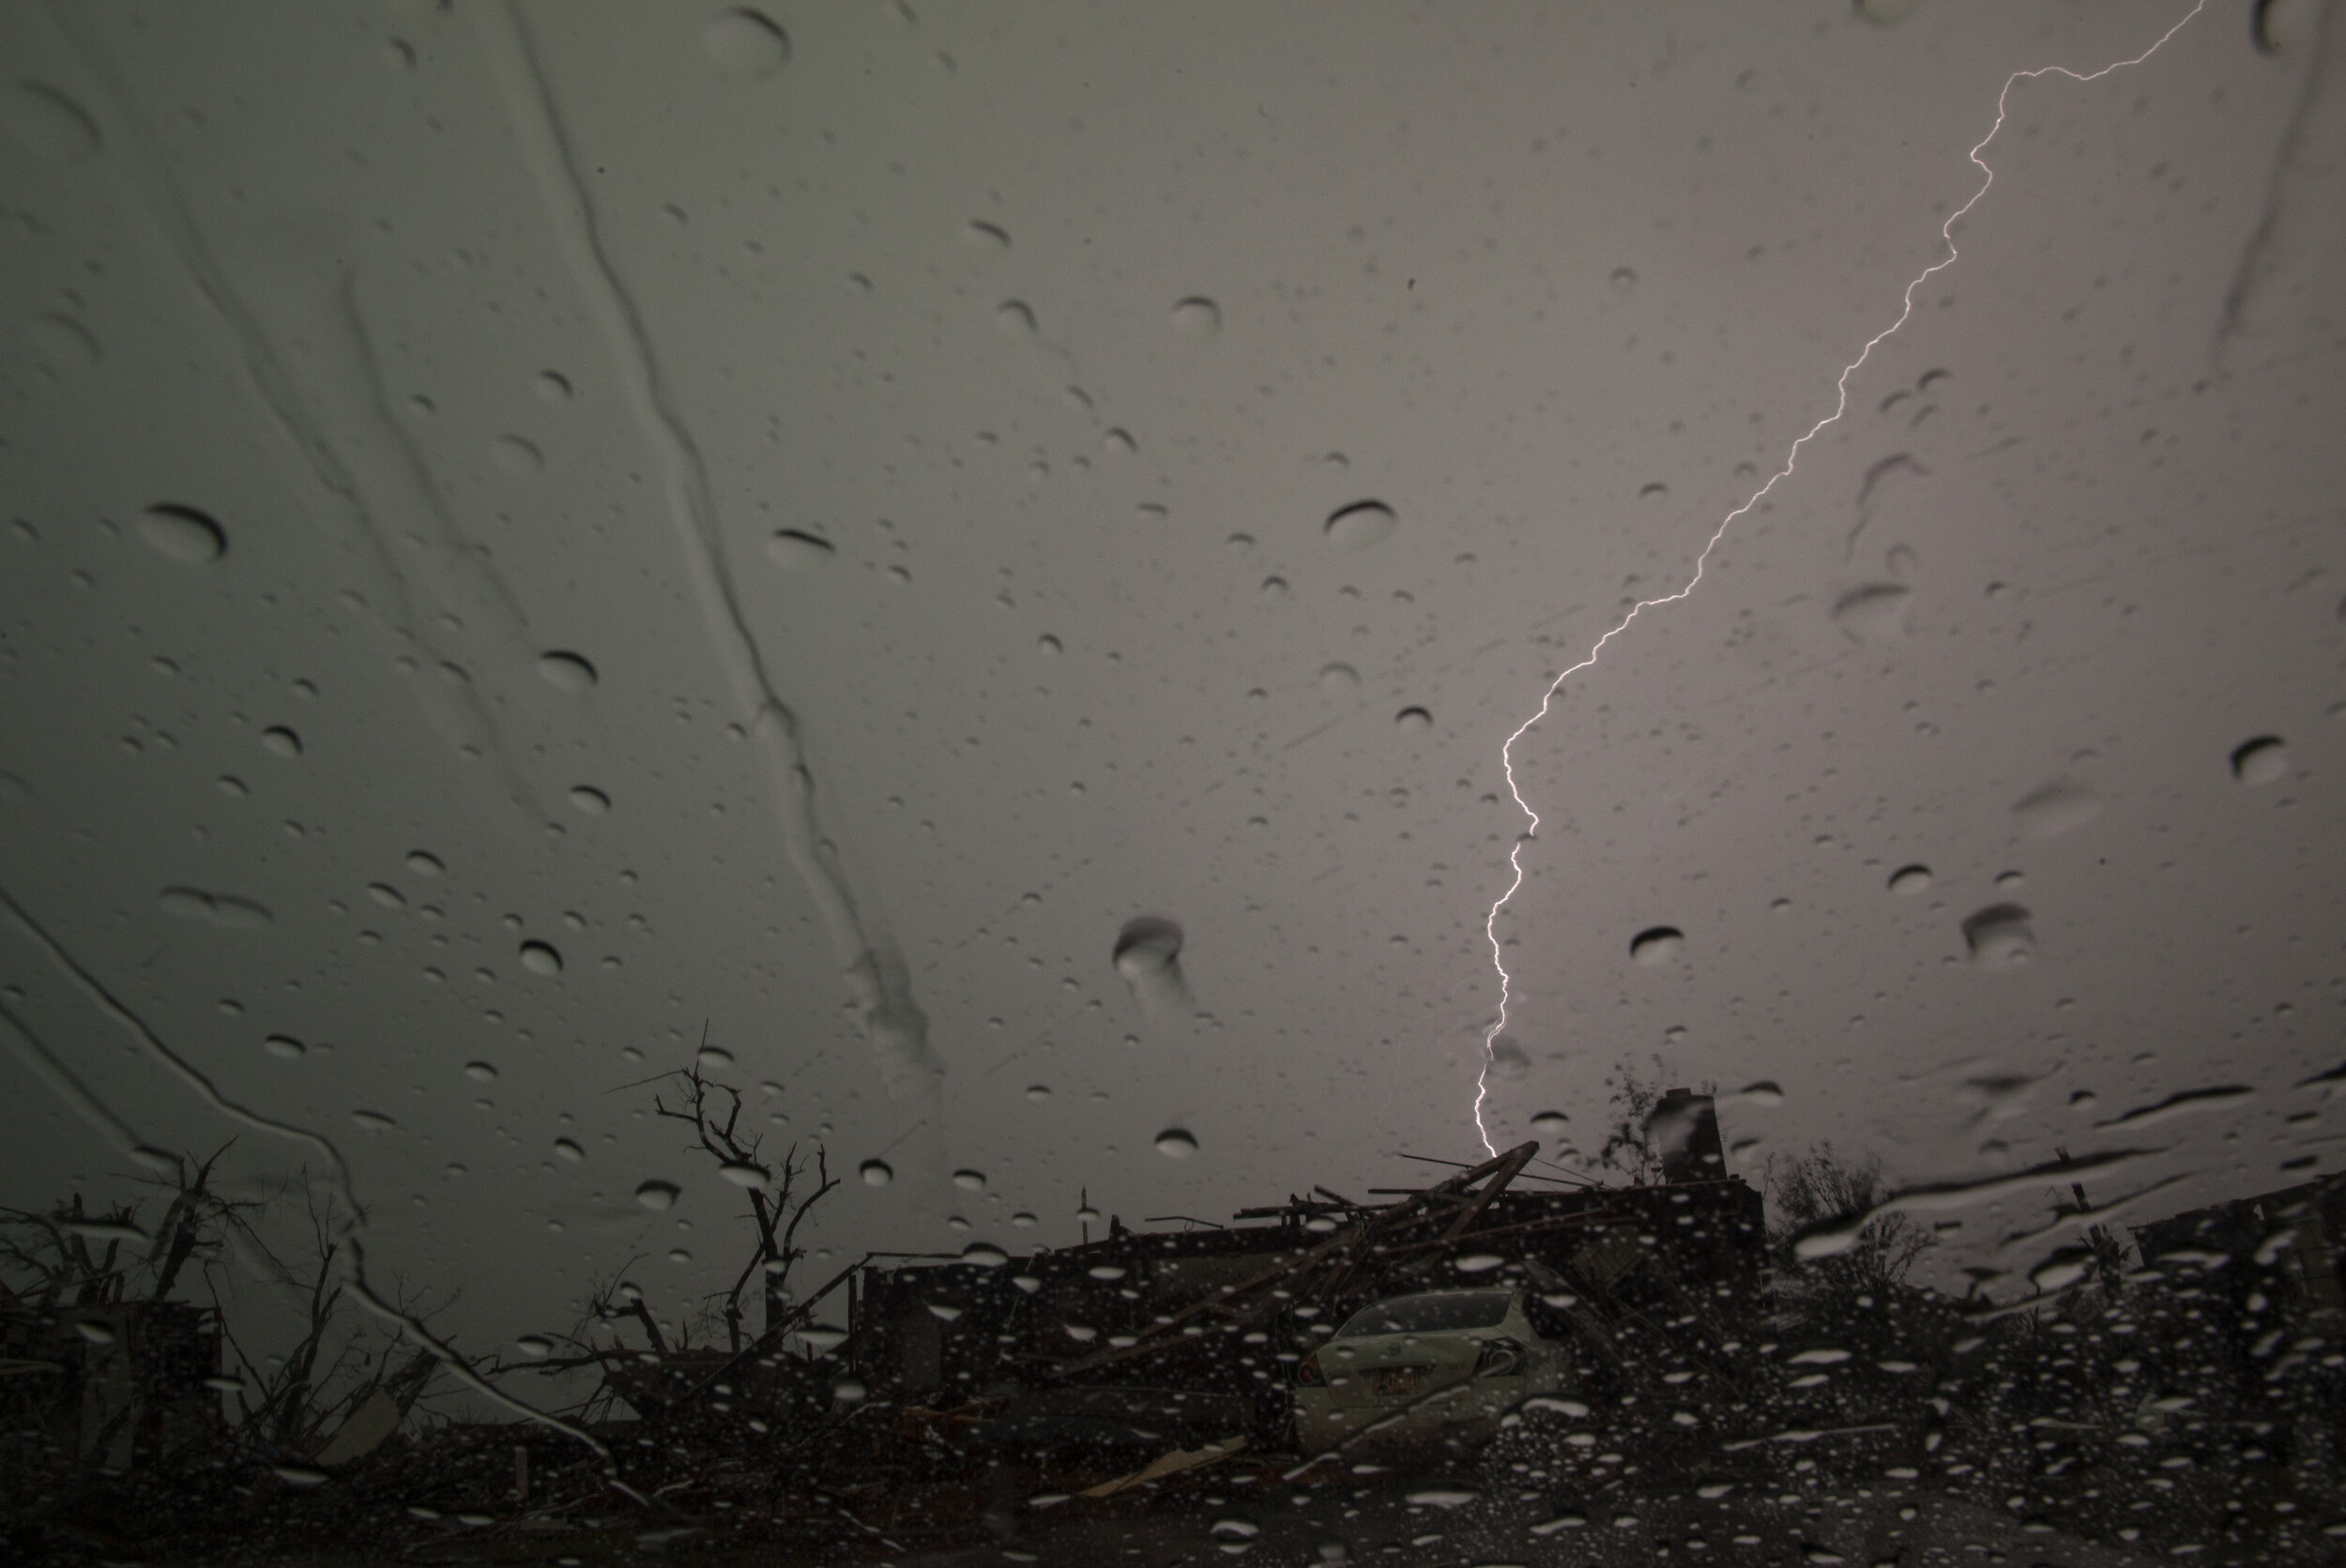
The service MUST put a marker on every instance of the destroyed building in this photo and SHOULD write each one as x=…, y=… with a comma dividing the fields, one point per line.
x=1198, y=1329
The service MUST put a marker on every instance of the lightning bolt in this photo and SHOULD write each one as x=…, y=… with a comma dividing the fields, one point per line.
x=1792, y=459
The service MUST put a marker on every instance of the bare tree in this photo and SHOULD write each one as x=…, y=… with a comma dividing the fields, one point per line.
x=1826, y=1187
x=66, y=1255
x=779, y=1195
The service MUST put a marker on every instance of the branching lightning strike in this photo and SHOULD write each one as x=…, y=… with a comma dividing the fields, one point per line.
x=1792, y=457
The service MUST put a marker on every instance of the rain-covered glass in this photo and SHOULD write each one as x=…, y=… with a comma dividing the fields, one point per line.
x=783, y=779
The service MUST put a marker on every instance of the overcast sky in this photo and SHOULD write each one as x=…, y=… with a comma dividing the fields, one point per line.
x=532, y=530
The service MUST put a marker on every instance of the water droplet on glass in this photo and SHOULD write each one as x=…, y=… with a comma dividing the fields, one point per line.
x=849, y=1391
x=1361, y=524
x=1762, y=1093
x=63, y=342
x=1415, y=721
x=221, y=909
x=386, y=895
x=284, y=1046
x=182, y=535
x=2261, y=761
x=554, y=386
x=587, y=798
x=794, y=551
x=1874, y=612
x=714, y=1058
x=985, y=1254
x=1999, y=937
x=1015, y=318
x=658, y=1196
x=1050, y=646
x=969, y=1181
x=520, y=457
x=877, y=1173
x=986, y=238
x=279, y=740
x=1176, y=1143
x=1197, y=317
x=744, y=1173
x=745, y=45
x=480, y=1071
x=1147, y=954
x=1624, y=281
x=1549, y=1125
x=374, y=1121
x=424, y=863
x=2055, y=809
x=1657, y=945
x=1339, y=681
x=46, y=123
x=566, y=672
x=1909, y=880
x=1038, y=1092
x=536, y=1346
x=540, y=958
x=1274, y=588
x=568, y=1150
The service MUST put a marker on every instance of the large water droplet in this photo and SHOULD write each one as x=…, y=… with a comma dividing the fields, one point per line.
x=2286, y=26
x=1624, y=281
x=1015, y=318
x=745, y=45
x=1909, y=880
x=64, y=344
x=182, y=534
x=280, y=740
x=2055, y=809
x=2261, y=761
x=1999, y=937
x=566, y=672
x=969, y=1181
x=877, y=1173
x=1175, y=1143
x=989, y=239
x=520, y=457
x=1657, y=945
x=1414, y=721
x=424, y=863
x=46, y=123
x=540, y=958
x=1147, y=955
x=744, y=1173
x=1874, y=612
x=587, y=798
x=1550, y=1125
x=1361, y=524
x=794, y=551
x=1339, y=680
x=221, y=909
x=284, y=1046
x=658, y=1196
x=1197, y=317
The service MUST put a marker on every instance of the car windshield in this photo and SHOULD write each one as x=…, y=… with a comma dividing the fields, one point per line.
x=1434, y=1314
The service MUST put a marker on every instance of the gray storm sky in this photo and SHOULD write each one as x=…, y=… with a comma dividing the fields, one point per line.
x=919, y=429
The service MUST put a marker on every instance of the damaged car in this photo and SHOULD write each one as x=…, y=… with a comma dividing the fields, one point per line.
x=1433, y=1369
